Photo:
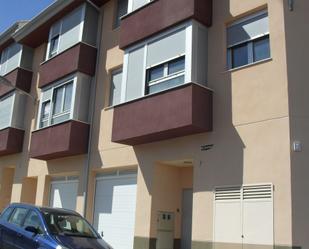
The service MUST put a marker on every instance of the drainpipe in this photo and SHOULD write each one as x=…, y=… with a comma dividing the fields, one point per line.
x=93, y=94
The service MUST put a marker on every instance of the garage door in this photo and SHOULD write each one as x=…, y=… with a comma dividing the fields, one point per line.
x=63, y=194
x=115, y=204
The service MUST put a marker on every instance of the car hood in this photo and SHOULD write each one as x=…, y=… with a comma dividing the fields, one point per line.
x=73, y=242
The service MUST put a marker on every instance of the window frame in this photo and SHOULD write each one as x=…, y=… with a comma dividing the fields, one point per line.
x=69, y=80
x=248, y=43
x=50, y=37
x=166, y=75
x=112, y=73
x=6, y=51
x=131, y=4
x=117, y=19
x=6, y=96
x=188, y=27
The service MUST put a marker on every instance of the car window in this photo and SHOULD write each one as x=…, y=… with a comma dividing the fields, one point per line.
x=6, y=214
x=18, y=216
x=33, y=220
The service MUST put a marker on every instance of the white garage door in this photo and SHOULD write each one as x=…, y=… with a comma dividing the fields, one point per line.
x=63, y=194
x=114, y=213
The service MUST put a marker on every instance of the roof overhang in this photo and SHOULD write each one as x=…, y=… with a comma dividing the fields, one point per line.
x=6, y=37
x=36, y=32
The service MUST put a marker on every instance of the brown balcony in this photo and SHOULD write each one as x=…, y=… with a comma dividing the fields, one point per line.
x=11, y=141
x=79, y=58
x=143, y=23
x=61, y=140
x=181, y=111
x=20, y=78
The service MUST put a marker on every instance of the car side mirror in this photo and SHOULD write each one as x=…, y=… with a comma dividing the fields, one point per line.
x=32, y=230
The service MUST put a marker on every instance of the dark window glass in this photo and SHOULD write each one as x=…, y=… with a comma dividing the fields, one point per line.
x=240, y=55
x=53, y=46
x=176, y=66
x=6, y=214
x=33, y=220
x=156, y=73
x=68, y=97
x=261, y=49
x=18, y=216
x=122, y=9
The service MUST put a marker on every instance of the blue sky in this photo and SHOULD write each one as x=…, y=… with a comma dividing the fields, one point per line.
x=14, y=10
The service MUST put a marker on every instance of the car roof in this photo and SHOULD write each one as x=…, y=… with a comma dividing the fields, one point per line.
x=44, y=209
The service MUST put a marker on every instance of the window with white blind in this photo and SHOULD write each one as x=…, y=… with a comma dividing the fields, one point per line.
x=248, y=40
x=165, y=61
x=6, y=110
x=244, y=215
x=66, y=99
x=10, y=58
x=78, y=26
x=56, y=104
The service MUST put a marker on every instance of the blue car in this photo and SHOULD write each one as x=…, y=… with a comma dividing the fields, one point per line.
x=29, y=227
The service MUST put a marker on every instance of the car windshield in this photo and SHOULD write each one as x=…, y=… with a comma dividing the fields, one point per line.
x=69, y=225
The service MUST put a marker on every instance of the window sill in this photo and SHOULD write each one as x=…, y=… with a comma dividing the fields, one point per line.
x=248, y=65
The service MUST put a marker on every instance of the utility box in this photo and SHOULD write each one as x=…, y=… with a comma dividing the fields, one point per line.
x=165, y=230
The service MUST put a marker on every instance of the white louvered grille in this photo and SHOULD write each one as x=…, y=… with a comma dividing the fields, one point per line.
x=228, y=193
x=252, y=192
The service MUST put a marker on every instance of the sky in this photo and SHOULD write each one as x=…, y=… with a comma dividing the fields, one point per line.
x=15, y=10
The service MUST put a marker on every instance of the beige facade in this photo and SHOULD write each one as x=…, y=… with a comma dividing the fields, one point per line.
x=259, y=111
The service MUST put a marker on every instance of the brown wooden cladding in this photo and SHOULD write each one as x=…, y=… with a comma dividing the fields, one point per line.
x=79, y=58
x=156, y=117
x=21, y=78
x=11, y=141
x=160, y=15
x=61, y=140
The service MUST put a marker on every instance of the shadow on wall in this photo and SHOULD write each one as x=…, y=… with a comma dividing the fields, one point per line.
x=297, y=65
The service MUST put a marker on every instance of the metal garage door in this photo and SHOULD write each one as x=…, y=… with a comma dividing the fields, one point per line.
x=63, y=194
x=115, y=204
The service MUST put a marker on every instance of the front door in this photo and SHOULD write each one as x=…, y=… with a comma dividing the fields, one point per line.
x=186, y=227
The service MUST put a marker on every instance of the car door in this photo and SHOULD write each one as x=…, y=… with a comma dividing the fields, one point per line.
x=13, y=230
x=31, y=240
x=4, y=240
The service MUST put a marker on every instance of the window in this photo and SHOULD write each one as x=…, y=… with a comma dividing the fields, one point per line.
x=66, y=33
x=33, y=220
x=6, y=214
x=6, y=110
x=122, y=9
x=18, y=216
x=248, y=40
x=166, y=75
x=57, y=107
x=10, y=58
x=115, y=88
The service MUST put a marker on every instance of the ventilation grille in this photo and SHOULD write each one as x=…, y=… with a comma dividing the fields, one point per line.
x=228, y=193
x=257, y=192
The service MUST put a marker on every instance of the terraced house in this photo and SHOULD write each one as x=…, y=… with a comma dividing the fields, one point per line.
x=170, y=124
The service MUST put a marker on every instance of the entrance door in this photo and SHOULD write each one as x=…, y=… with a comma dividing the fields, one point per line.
x=63, y=194
x=186, y=230
x=114, y=213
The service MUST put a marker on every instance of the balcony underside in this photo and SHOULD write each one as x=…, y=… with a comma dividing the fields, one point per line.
x=79, y=58
x=61, y=140
x=11, y=141
x=143, y=23
x=181, y=111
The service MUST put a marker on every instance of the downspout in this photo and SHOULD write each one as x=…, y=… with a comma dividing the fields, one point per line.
x=93, y=94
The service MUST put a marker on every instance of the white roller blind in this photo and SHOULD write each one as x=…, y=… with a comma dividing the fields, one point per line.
x=139, y=3
x=71, y=29
x=166, y=48
x=6, y=108
x=10, y=58
x=134, y=86
x=248, y=29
